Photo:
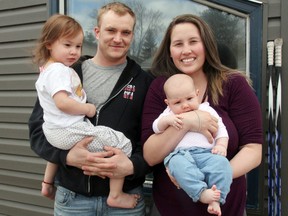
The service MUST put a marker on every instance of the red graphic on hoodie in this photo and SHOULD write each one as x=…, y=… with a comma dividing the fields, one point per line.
x=129, y=92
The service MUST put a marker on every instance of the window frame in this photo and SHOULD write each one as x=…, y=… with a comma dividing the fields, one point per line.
x=255, y=12
x=253, y=9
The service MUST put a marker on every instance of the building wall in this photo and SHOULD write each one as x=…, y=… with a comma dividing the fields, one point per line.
x=20, y=169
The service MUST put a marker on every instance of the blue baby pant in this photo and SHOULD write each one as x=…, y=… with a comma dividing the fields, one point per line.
x=197, y=169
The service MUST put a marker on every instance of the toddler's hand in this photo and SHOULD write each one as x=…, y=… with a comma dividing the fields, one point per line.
x=91, y=110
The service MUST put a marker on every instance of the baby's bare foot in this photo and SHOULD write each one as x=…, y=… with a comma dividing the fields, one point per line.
x=214, y=208
x=123, y=200
x=210, y=195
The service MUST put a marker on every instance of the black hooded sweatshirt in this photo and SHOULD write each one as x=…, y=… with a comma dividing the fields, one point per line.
x=122, y=112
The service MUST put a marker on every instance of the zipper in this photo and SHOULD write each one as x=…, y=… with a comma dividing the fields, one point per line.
x=96, y=123
x=89, y=185
x=109, y=99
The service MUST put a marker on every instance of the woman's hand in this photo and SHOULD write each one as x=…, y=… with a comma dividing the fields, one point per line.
x=202, y=122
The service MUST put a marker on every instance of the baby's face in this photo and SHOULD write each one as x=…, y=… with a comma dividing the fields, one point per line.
x=183, y=100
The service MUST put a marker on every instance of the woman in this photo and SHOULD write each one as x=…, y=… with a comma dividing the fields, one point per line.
x=189, y=47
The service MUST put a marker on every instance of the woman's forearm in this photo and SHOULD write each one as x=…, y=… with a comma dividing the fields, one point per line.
x=248, y=158
x=158, y=146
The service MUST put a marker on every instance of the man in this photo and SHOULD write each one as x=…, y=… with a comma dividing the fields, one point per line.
x=117, y=86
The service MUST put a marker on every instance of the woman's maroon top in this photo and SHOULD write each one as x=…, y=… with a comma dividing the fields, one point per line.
x=241, y=113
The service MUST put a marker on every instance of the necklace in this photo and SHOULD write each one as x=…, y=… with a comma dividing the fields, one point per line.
x=204, y=96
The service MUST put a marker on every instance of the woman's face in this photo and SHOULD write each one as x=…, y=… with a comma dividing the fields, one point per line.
x=186, y=49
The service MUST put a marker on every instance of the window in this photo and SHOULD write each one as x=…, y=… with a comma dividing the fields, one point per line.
x=152, y=20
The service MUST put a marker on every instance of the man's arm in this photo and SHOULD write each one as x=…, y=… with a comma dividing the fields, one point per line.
x=77, y=155
x=116, y=164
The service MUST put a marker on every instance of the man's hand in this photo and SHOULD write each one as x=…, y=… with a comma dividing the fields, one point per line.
x=116, y=166
x=78, y=155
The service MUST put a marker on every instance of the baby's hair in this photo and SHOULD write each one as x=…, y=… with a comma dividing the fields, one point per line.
x=57, y=26
x=176, y=80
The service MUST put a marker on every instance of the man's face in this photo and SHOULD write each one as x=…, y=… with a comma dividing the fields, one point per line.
x=114, y=35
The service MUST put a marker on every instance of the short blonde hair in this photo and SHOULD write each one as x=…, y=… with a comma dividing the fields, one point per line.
x=119, y=8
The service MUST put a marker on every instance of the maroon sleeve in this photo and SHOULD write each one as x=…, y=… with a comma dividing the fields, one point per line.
x=244, y=110
x=153, y=106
